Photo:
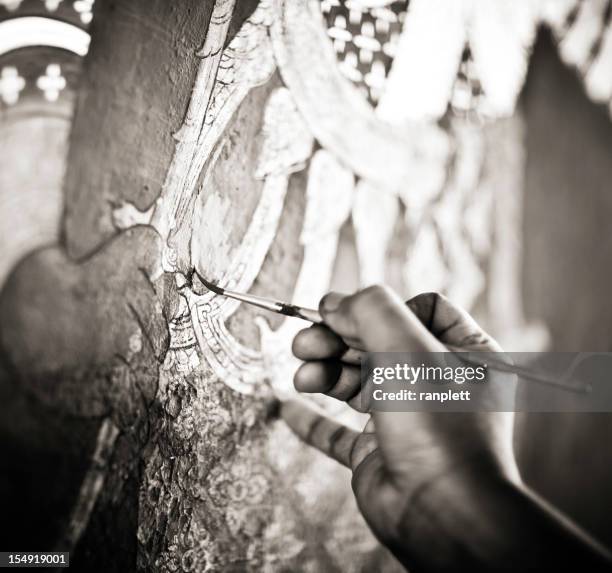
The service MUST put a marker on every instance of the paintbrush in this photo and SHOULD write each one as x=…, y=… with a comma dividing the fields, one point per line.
x=279, y=307
x=314, y=316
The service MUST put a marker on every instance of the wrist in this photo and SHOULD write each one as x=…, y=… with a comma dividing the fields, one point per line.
x=455, y=517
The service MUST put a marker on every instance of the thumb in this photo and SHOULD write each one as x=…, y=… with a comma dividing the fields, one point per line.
x=378, y=320
x=450, y=324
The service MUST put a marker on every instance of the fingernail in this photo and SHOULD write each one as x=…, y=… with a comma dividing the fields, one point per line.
x=331, y=301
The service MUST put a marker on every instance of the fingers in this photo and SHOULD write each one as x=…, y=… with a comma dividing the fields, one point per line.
x=424, y=307
x=331, y=367
x=318, y=343
x=318, y=376
x=378, y=318
x=333, y=378
x=450, y=323
x=326, y=435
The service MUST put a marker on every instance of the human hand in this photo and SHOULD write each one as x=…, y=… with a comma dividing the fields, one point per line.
x=398, y=455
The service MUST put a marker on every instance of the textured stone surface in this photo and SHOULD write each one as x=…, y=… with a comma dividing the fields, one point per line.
x=169, y=389
x=199, y=476
x=135, y=90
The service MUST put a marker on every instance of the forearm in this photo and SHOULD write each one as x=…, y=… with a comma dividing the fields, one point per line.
x=465, y=521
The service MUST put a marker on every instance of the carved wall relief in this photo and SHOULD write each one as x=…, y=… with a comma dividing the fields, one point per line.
x=433, y=185
x=361, y=177
x=303, y=120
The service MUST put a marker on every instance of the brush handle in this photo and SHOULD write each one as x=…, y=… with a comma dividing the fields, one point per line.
x=309, y=314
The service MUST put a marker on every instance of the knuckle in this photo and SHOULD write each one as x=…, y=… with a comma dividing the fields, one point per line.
x=351, y=455
x=314, y=430
x=377, y=290
x=374, y=294
x=337, y=438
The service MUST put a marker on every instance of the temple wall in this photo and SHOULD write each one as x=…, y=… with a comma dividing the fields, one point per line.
x=198, y=140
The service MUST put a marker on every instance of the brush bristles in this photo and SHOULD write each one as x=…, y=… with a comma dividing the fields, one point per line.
x=210, y=286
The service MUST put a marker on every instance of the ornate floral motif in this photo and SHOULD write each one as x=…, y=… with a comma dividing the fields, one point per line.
x=182, y=354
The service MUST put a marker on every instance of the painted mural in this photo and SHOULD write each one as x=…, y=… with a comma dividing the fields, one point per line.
x=314, y=140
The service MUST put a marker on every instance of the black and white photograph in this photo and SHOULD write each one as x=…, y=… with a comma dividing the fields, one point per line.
x=306, y=286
